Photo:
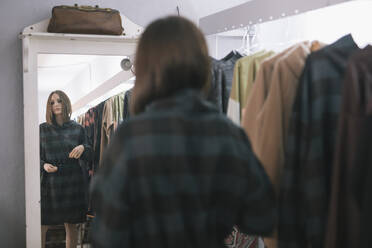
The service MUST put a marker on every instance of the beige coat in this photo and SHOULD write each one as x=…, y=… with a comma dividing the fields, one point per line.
x=276, y=112
x=257, y=96
x=273, y=111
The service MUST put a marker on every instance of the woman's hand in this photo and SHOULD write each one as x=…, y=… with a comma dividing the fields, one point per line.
x=76, y=152
x=50, y=168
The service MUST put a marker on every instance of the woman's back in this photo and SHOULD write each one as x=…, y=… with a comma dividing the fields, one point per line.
x=180, y=174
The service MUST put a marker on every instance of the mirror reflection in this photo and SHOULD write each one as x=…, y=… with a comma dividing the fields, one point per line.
x=74, y=132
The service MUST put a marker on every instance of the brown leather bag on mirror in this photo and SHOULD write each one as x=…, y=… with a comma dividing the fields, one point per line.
x=85, y=20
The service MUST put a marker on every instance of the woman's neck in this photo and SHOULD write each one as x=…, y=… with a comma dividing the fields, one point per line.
x=59, y=120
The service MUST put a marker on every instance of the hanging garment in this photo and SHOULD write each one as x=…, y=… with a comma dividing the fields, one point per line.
x=107, y=125
x=186, y=177
x=273, y=119
x=223, y=75
x=118, y=109
x=275, y=115
x=217, y=83
x=245, y=71
x=352, y=155
x=366, y=200
x=63, y=195
x=257, y=97
x=304, y=192
x=89, y=130
x=98, y=113
x=80, y=119
x=363, y=184
x=127, y=100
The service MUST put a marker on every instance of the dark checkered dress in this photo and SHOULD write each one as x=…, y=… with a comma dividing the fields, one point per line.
x=63, y=194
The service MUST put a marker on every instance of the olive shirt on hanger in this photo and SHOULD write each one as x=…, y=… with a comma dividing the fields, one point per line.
x=353, y=159
x=305, y=187
x=245, y=71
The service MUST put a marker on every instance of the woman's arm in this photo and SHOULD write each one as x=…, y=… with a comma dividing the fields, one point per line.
x=87, y=154
x=42, y=149
x=44, y=165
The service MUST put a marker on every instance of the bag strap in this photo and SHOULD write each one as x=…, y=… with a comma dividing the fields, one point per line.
x=87, y=8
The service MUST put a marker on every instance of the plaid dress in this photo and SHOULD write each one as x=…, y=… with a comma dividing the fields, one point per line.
x=181, y=174
x=63, y=194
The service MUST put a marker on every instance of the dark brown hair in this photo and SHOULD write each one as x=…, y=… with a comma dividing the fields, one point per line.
x=66, y=107
x=171, y=55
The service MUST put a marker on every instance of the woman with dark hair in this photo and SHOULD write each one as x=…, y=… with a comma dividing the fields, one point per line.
x=178, y=173
x=62, y=143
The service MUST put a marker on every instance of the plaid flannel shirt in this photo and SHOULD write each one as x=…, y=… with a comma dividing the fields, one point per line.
x=305, y=186
x=180, y=175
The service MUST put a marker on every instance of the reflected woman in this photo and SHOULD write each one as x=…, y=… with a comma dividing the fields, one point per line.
x=62, y=143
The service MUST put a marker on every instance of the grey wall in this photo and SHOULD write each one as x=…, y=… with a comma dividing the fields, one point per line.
x=14, y=16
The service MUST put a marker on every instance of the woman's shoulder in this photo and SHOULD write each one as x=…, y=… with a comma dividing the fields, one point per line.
x=74, y=124
x=45, y=129
x=44, y=125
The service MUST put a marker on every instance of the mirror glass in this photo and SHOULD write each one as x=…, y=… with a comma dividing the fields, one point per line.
x=70, y=149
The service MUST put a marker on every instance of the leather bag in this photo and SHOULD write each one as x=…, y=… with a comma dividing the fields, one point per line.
x=85, y=20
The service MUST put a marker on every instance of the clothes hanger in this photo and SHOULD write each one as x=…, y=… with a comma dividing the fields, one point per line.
x=253, y=41
x=244, y=49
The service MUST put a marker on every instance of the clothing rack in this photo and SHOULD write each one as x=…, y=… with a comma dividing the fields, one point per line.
x=116, y=80
x=259, y=11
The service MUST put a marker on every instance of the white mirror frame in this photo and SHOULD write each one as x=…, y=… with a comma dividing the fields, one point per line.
x=35, y=41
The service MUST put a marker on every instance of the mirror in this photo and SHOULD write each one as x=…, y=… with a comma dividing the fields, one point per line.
x=66, y=211
x=53, y=61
